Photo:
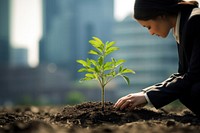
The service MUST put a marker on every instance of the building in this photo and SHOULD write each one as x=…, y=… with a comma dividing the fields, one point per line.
x=18, y=57
x=68, y=26
x=4, y=32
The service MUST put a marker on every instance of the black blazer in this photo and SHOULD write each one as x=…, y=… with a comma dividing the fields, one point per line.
x=189, y=63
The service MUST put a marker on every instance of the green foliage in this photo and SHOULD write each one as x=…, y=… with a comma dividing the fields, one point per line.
x=101, y=70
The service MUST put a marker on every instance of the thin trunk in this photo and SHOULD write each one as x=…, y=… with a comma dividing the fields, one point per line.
x=103, y=97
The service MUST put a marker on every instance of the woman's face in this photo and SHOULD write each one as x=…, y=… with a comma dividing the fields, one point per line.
x=159, y=26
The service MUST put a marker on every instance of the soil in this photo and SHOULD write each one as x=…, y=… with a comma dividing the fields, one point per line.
x=89, y=118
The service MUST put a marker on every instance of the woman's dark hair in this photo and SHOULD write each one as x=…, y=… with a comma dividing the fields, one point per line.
x=151, y=9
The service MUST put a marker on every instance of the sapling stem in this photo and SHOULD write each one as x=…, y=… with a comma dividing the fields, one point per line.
x=103, y=98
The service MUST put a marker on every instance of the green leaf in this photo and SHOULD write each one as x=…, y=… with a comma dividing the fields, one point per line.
x=97, y=69
x=100, y=61
x=126, y=70
x=111, y=74
x=119, y=62
x=84, y=63
x=111, y=49
x=97, y=39
x=94, y=63
x=109, y=44
x=94, y=52
x=126, y=79
x=89, y=75
x=88, y=62
x=85, y=79
x=91, y=70
x=113, y=60
x=120, y=69
x=82, y=70
x=108, y=66
x=95, y=43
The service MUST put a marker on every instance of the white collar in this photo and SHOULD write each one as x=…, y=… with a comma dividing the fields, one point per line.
x=176, y=29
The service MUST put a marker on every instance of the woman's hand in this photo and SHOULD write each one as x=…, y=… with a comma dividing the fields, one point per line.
x=131, y=101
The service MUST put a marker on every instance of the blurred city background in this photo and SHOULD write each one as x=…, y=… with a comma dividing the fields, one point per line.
x=40, y=41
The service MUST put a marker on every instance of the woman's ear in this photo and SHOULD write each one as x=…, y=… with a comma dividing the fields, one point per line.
x=162, y=17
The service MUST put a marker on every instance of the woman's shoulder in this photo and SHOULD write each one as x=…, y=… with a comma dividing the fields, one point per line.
x=192, y=24
x=194, y=18
x=195, y=12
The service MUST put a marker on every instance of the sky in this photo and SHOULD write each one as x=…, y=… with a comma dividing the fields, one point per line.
x=26, y=27
x=122, y=8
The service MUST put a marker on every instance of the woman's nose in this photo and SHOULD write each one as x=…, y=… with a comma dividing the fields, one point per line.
x=151, y=33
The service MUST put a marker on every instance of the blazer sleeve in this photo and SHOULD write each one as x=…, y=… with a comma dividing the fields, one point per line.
x=177, y=84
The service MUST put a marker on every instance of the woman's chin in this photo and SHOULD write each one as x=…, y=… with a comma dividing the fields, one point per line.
x=162, y=36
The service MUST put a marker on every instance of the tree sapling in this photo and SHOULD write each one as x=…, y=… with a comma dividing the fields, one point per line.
x=101, y=70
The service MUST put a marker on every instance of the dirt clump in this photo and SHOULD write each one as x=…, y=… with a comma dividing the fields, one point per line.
x=89, y=118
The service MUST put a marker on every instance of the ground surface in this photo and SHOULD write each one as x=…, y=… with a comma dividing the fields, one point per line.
x=89, y=118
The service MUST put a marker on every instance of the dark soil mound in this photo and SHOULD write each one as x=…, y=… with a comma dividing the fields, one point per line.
x=89, y=117
x=91, y=114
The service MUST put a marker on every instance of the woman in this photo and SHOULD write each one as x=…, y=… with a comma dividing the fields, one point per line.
x=183, y=17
